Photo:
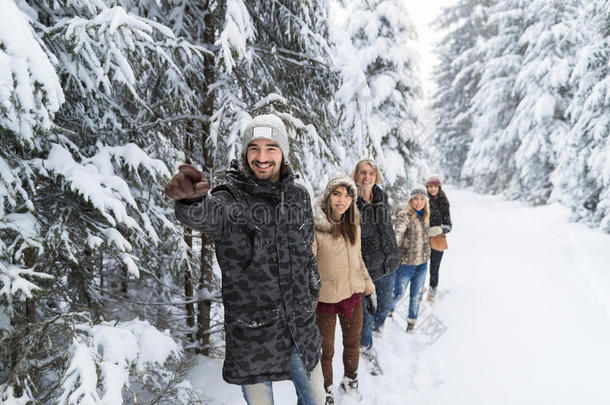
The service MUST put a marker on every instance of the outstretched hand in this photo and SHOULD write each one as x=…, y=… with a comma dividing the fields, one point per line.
x=189, y=182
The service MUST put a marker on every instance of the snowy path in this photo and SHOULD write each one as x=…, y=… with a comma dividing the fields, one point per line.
x=522, y=317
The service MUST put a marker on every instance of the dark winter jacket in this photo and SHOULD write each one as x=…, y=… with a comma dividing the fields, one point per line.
x=263, y=233
x=439, y=211
x=379, y=249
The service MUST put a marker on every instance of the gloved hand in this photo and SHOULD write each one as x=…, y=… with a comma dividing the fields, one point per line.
x=446, y=228
x=435, y=231
x=188, y=183
x=371, y=303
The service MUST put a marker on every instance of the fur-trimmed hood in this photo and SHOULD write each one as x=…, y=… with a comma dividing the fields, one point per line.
x=320, y=220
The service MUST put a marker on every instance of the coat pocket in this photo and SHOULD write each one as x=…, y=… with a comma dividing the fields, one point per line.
x=252, y=319
x=328, y=290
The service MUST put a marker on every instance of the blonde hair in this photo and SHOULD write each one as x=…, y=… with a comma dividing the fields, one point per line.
x=413, y=212
x=371, y=162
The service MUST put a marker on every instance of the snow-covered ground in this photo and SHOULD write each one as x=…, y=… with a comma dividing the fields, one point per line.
x=522, y=317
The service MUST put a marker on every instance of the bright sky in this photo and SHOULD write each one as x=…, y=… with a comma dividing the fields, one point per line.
x=422, y=14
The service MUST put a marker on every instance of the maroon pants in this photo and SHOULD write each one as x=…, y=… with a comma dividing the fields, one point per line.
x=351, y=328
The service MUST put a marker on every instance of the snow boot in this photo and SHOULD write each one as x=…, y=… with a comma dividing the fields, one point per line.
x=410, y=326
x=370, y=355
x=432, y=294
x=349, y=386
x=330, y=398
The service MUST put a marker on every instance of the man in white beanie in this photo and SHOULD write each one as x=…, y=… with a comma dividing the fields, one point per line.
x=262, y=225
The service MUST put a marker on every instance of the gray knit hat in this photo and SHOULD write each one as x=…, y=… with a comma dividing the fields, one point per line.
x=268, y=126
x=418, y=190
x=341, y=180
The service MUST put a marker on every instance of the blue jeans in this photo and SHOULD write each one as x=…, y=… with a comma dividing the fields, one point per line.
x=310, y=390
x=384, y=288
x=416, y=275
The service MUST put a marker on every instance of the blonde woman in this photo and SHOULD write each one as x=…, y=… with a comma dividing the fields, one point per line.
x=344, y=279
x=411, y=227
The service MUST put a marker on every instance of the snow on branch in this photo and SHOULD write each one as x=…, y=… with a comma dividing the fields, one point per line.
x=30, y=91
x=95, y=178
x=14, y=283
x=96, y=182
x=7, y=396
x=106, y=358
x=236, y=34
x=25, y=229
x=270, y=98
x=101, y=48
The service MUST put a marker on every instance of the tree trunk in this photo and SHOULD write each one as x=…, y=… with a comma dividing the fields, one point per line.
x=207, y=276
x=124, y=286
x=188, y=285
x=30, y=304
x=206, y=282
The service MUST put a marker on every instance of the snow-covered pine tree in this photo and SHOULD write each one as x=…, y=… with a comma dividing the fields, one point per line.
x=31, y=96
x=457, y=78
x=380, y=96
x=538, y=123
x=87, y=211
x=490, y=164
x=582, y=177
x=540, y=119
x=283, y=67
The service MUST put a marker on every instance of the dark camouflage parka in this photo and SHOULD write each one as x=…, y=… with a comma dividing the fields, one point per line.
x=263, y=235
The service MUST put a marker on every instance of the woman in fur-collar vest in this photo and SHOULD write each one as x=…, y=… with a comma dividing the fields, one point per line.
x=411, y=229
x=344, y=278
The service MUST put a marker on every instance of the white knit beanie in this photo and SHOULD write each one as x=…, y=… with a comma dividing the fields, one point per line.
x=268, y=126
x=341, y=180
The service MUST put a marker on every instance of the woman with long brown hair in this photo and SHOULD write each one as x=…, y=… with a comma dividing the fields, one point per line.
x=344, y=279
x=440, y=225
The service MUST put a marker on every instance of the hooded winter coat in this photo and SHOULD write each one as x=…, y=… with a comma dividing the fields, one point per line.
x=342, y=270
x=379, y=249
x=263, y=233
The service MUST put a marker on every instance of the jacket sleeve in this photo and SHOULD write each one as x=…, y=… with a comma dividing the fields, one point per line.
x=207, y=214
x=447, y=225
x=391, y=239
x=310, y=239
x=369, y=287
x=314, y=275
x=400, y=228
x=426, y=242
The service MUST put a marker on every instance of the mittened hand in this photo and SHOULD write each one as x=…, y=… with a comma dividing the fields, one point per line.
x=435, y=231
x=371, y=303
x=188, y=183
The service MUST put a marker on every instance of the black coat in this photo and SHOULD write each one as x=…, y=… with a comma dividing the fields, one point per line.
x=439, y=211
x=379, y=249
x=263, y=235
